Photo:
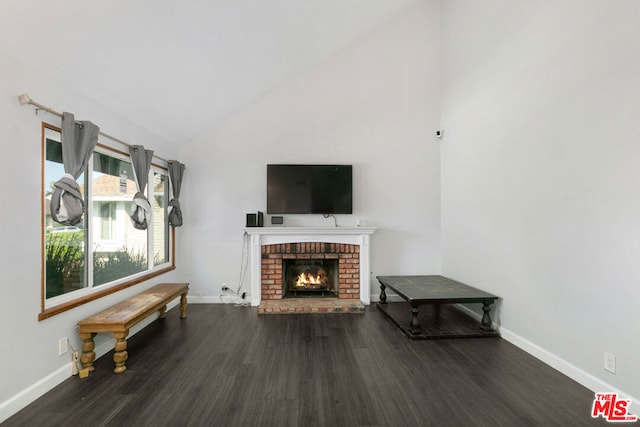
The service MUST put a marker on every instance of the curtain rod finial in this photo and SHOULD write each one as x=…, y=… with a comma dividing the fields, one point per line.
x=24, y=99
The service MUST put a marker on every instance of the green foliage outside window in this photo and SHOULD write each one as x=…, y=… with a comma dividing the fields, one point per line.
x=65, y=263
x=109, y=266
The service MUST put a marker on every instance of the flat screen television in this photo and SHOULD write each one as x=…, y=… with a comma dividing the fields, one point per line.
x=309, y=189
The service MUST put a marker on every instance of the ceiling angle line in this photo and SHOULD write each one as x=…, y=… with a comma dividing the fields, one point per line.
x=26, y=99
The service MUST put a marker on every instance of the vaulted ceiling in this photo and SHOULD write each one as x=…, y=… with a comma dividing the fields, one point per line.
x=178, y=68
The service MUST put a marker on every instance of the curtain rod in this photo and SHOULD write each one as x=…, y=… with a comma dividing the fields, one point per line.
x=26, y=99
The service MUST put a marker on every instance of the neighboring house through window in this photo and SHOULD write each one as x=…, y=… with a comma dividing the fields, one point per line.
x=104, y=252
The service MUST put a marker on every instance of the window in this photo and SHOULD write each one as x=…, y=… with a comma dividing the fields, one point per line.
x=105, y=252
x=159, y=202
x=107, y=220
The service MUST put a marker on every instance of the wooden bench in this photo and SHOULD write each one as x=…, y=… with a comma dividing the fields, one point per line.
x=119, y=318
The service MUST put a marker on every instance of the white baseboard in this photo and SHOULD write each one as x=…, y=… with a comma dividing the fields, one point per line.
x=583, y=378
x=25, y=397
x=220, y=299
x=20, y=400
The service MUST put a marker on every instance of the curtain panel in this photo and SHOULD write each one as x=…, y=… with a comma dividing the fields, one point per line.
x=176, y=170
x=78, y=141
x=141, y=208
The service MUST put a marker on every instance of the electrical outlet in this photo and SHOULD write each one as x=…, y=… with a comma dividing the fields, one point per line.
x=609, y=362
x=225, y=287
x=63, y=346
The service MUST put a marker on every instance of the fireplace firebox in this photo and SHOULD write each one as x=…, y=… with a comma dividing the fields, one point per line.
x=336, y=265
x=310, y=277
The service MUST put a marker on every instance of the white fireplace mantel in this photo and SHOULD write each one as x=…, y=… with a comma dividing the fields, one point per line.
x=259, y=236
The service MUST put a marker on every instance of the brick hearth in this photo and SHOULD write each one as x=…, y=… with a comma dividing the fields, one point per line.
x=272, y=280
x=310, y=305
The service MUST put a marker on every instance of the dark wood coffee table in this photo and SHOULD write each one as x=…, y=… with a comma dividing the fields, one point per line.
x=437, y=290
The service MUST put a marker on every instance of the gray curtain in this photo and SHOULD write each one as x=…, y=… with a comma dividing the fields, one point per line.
x=141, y=208
x=176, y=170
x=78, y=142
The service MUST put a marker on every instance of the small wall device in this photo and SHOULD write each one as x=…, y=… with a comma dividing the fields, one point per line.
x=277, y=220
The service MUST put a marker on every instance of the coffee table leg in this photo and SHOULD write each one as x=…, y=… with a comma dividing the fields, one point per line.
x=383, y=294
x=414, y=325
x=485, y=323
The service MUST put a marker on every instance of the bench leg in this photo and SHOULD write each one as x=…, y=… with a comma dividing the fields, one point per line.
x=163, y=312
x=88, y=355
x=120, y=354
x=183, y=306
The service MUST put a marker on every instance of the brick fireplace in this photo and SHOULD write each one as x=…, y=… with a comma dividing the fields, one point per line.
x=275, y=257
x=270, y=248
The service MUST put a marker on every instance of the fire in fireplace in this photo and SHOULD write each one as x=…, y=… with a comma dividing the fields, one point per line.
x=311, y=281
x=310, y=277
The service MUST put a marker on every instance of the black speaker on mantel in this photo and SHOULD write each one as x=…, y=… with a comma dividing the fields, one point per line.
x=255, y=219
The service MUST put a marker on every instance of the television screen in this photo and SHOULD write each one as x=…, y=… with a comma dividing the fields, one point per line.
x=309, y=189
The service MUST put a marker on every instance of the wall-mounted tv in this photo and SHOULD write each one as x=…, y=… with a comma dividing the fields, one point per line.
x=309, y=189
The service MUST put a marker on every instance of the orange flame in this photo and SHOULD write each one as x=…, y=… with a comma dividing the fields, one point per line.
x=308, y=280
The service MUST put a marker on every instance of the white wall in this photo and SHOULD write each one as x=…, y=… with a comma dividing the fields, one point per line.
x=374, y=105
x=29, y=361
x=540, y=173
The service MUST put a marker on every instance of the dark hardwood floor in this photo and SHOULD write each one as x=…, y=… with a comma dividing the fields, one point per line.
x=228, y=366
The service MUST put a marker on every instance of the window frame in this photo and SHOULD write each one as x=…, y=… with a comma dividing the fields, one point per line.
x=94, y=292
